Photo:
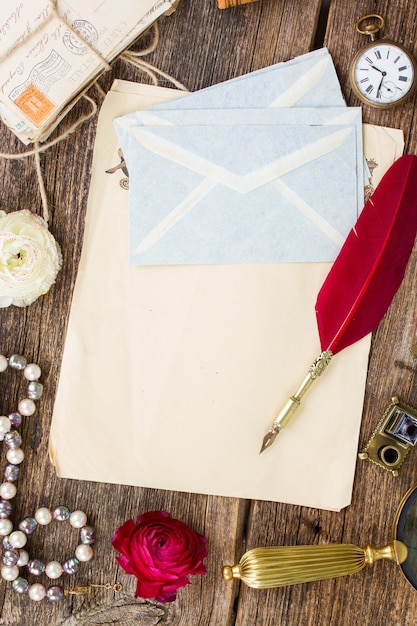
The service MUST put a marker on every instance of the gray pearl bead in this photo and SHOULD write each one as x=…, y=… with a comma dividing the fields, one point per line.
x=87, y=535
x=36, y=567
x=35, y=390
x=10, y=557
x=20, y=585
x=15, y=419
x=71, y=566
x=6, y=543
x=17, y=361
x=61, y=513
x=11, y=473
x=5, y=511
x=13, y=439
x=55, y=593
x=28, y=525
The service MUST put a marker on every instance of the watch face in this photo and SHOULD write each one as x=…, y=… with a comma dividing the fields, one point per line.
x=383, y=73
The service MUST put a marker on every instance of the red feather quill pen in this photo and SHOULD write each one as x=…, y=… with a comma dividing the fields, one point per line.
x=365, y=276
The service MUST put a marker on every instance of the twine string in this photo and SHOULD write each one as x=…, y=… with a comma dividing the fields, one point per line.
x=134, y=57
x=41, y=182
x=39, y=148
x=43, y=147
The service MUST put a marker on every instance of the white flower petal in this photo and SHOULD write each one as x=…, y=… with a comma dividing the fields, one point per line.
x=30, y=258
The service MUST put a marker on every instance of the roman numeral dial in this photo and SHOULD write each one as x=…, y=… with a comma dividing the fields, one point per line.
x=383, y=74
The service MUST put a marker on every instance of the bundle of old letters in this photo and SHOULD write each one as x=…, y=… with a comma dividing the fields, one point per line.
x=53, y=50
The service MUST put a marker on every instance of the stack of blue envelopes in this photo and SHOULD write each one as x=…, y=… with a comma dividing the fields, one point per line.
x=263, y=168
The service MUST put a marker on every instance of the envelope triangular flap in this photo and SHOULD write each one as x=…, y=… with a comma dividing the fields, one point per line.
x=243, y=157
x=192, y=188
x=224, y=226
x=311, y=74
x=333, y=116
x=221, y=231
x=300, y=117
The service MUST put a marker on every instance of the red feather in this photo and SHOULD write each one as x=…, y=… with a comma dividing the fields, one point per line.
x=365, y=276
x=371, y=264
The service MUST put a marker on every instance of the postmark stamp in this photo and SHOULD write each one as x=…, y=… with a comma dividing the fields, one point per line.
x=87, y=35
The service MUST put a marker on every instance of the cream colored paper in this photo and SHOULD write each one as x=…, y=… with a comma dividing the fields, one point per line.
x=172, y=375
x=383, y=146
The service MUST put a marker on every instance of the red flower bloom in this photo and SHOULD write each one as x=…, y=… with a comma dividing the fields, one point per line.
x=161, y=552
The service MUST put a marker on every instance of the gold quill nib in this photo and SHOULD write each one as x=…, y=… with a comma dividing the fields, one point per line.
x=270, y=437
x=284, y=416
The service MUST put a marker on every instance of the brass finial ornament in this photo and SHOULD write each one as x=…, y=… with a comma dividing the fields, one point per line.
x=280, y=566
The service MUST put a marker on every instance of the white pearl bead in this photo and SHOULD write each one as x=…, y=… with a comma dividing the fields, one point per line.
x=84, y=552
x=15, y=455
x=18, y=539
x=53, y=570
x=37, y=592
x=26, y=407
x=32, y=371
x=3, y=363
x=7, y=490
x=78, y=519
x=9, y=572
x=6, y=527
x=5, y=424
x=23, y=558
x=43, y=516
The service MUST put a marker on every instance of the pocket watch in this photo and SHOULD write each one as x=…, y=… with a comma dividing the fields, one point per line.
x=383, y=73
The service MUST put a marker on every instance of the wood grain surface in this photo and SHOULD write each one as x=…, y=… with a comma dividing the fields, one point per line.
x=200, y=46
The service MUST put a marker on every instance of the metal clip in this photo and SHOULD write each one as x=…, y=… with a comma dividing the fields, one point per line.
x=86, y=590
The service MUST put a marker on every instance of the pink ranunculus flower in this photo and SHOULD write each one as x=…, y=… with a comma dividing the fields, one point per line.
x=161, y=552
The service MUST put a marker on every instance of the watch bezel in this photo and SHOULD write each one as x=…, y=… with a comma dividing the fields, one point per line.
x=361, y=96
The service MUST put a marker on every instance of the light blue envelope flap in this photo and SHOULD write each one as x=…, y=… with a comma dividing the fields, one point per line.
x=308, y=80
x=206, y=192
x=333, y=116
x=236, y=194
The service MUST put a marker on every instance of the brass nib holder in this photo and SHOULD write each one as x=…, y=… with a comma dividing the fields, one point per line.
x=264, y=568
x=285, y=415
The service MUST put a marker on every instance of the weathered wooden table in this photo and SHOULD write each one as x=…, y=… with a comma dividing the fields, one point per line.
x=201, y=45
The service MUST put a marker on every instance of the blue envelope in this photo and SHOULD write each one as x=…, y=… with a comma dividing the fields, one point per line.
x=333, y=116
x=258, y=184
x=240, y=193
x=307, y=80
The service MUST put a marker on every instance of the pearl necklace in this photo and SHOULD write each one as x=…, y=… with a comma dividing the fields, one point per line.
x=14, y=555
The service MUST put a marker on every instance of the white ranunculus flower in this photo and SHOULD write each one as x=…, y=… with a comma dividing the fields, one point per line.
x=30, y=258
